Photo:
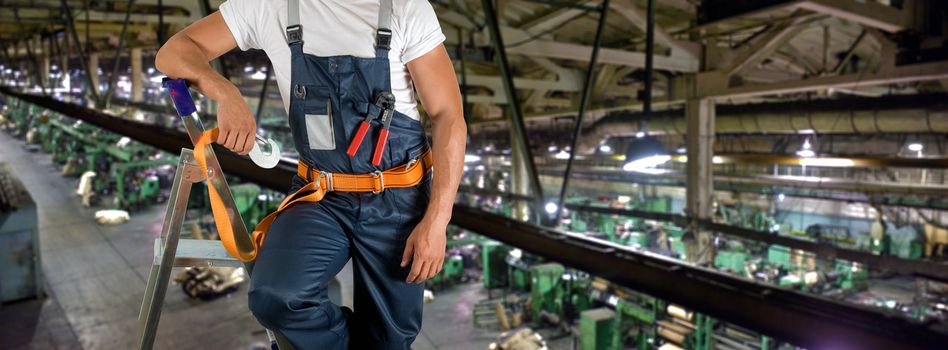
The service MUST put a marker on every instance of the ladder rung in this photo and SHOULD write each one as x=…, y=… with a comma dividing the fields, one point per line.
x=198, y=252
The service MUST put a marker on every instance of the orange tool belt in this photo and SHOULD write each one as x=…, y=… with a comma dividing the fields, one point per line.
x=319, y=183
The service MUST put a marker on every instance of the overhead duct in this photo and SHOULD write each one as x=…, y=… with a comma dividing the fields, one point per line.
x=915, y=114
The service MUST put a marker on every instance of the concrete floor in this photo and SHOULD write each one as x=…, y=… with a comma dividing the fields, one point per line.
x=95, y=278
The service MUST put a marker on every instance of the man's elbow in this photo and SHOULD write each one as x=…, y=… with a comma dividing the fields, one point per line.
x=168, y=54
x=450, y=116
x=161, y=59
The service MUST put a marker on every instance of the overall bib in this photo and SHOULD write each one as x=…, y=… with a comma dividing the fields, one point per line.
x=308, y=243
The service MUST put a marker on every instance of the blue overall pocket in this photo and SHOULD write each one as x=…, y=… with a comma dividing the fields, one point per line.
x=317, y=116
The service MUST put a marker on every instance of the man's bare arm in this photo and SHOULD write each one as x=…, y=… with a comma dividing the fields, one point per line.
x=186, y=55
x=434, y=78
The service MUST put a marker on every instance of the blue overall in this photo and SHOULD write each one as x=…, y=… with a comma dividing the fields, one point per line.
x=308, y=244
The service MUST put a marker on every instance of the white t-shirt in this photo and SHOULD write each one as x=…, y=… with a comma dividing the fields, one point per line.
x=337, y=27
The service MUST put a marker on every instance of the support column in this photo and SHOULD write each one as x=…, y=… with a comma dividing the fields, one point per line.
x=93, y=71
x=44, y=71
x=137, y=88
x=699, y=140
x=64, y=57
x=519, y=179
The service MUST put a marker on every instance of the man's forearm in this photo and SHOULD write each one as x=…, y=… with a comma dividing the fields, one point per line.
x=181, y=57
x=450, y=139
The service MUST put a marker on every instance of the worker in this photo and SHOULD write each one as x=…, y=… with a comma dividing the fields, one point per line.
x=346, y=70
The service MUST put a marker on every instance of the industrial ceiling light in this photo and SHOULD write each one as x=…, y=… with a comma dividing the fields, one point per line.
x=605, y=148
x=645, y=153
x=470, y=158
x=806, y=150
x=550, y=208
x=562, y=154
x=915, y=147
x=259, y=75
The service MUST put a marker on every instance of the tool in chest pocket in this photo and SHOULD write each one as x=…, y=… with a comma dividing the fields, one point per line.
x=385, y=101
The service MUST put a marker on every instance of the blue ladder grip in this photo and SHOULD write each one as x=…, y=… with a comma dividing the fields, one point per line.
x=180, y=95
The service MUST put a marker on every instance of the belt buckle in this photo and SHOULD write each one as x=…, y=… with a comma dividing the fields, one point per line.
x=328, y=176
x=330, y=186
x=378, y=174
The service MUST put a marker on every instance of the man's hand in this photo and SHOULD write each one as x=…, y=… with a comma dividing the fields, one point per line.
x=237, y=125
x=425, y=249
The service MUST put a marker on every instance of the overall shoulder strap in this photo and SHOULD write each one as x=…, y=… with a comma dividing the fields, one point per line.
x=294, y=31
x=383, y=36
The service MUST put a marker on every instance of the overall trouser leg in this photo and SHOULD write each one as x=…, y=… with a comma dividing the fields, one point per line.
x=305, y=248
x=387, y=309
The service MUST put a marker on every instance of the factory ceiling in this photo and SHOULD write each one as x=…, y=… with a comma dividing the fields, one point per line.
x=739, y=51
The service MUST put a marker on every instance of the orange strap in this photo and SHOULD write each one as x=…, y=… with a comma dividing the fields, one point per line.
x=408, y=175
x=221, y=218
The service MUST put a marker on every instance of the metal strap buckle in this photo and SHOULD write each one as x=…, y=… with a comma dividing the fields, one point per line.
x=410, y=163
x=319, y=176
x=383, y=38
x=294, y=34
x=378, y=174
x=329, y=184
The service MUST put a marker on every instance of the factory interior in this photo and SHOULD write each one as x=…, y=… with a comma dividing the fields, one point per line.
x=639, y=174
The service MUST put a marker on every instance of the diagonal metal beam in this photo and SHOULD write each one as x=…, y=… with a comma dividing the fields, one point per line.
x=903, y=74
x=634, y=15
x=516, y=113
x=766, y=44
x=867, y=13
x=558, y=17
x=849, y=53
x=29, y=52
x=581, y=113
x=80, y=52
x=577, y=52
x=118, y=54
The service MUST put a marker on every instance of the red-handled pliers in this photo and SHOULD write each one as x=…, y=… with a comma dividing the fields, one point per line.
x=385, y=100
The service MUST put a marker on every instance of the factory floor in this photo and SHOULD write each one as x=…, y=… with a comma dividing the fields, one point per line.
x=95, y=277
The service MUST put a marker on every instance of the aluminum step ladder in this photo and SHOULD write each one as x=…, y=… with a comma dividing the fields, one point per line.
x=172, y=251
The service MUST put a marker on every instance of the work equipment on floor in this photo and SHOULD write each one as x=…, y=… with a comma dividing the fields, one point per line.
x=172, y=251
x=20, y=268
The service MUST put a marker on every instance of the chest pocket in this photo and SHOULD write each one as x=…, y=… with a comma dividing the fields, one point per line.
x=317, y=115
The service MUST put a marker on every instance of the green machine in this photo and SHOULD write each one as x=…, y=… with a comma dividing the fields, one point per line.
x=544, y=292
x=132, y=190
x=656, y=204
x=494, y=264
x=596, y=327
x=731, y=260
x=851, y=275
x=246, y=198
x=780, y=255
x=636, y=322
